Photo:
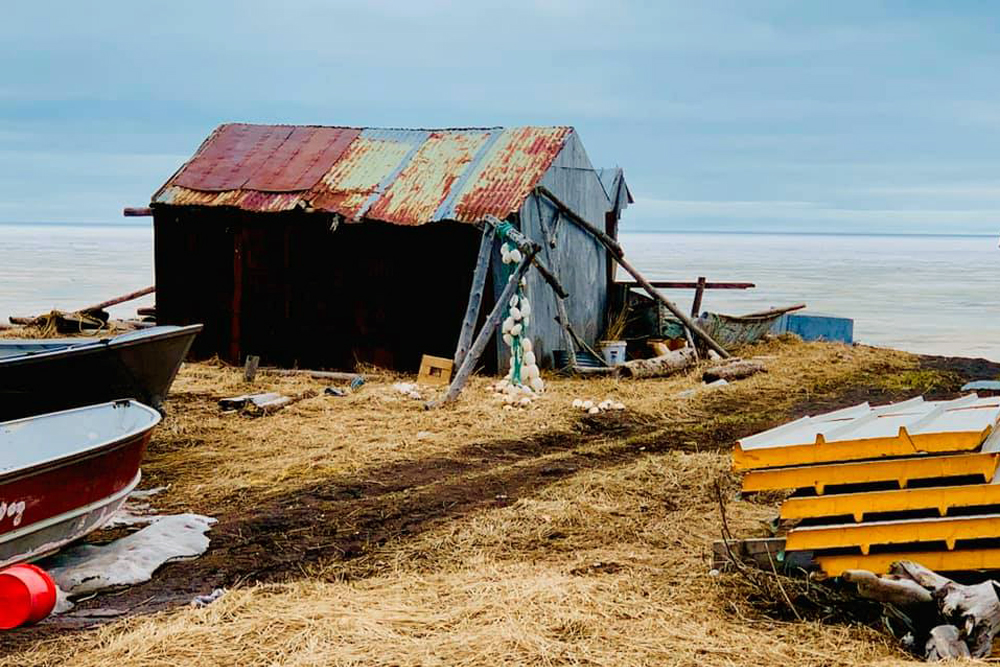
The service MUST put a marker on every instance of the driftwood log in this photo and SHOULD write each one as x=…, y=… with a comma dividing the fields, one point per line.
x=734, y=370
x=666, y=364
x=945, y=619
x=316, y=375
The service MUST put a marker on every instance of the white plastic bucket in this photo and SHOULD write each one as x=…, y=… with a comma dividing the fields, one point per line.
x=613, y=351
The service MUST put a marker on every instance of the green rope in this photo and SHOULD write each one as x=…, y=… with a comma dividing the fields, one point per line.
x=516, y=349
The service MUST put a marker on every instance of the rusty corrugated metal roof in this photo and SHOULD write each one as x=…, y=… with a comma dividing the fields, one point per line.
x=407, y=177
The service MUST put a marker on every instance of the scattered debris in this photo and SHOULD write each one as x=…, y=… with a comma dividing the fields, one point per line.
x=335, y=391
x=408, y=389
x=266, y=402
x=435, y=370
x=205, y=600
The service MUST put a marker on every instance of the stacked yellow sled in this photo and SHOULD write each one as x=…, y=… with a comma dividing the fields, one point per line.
x=915, y=480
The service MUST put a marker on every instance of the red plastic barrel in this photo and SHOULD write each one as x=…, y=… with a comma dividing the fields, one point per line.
x=27, y=595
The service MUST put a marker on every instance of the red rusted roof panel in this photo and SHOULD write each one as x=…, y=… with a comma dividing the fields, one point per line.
x=425, y=182
x=302, y=159
x=508, y=171
x=231, y=156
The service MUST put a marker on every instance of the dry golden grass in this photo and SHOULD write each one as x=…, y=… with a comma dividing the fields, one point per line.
x=323, y=436
x=606, y=566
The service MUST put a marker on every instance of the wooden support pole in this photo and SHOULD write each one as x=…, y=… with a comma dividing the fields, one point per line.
x=608, y=242
x=563, y=318
x=699, y=292
x=486, y=333
x=475, y=294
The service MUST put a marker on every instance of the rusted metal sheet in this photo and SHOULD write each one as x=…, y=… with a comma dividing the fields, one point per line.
x=424, y=183
x=407, y=177
x=231, y=156
x=365, y=169
x=506, y=174
x=302, y=159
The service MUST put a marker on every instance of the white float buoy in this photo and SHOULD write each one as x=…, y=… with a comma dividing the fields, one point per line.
x=526, y=344
x=587, y=405
x=525, y=307
x=577, y=403
x=513, y=301
x=529, y=358
x=515, y=312
x=515, y=330
x=507, y=325
x=515, y=256
x=537, y=384
x=594, y=410
x=508, y=339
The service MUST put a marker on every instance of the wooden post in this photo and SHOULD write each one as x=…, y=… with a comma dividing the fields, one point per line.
x=619, y=254
x=250, y=368
x=486, y=333
x=475, y=294
x=699, y=292
x=560, y=306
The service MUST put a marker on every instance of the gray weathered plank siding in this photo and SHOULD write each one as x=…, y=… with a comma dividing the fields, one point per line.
x=582, y=261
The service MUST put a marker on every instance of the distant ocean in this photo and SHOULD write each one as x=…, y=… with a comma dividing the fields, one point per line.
x=929, y=294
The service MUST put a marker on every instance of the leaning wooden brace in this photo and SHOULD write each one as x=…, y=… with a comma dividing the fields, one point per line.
x=486, y=333
x=619, y=256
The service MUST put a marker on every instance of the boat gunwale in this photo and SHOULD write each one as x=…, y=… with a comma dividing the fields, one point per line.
x=63, y=460
x=99, y=345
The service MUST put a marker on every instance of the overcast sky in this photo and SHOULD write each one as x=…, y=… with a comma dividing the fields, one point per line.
x=749, y=115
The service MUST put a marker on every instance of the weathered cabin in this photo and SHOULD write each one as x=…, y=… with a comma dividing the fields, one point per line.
x=329, y=246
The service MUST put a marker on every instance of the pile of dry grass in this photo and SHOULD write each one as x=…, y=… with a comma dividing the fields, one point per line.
x=605, y=565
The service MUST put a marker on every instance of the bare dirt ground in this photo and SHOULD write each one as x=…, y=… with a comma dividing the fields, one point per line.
x=366, y=530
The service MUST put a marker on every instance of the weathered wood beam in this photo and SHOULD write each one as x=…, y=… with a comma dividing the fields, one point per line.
x=609, y=242
x=486, y=333
x=316, y=375
x=475, y=294
x=563, y=317
x=674, y=284
x=119, y=299
x=137, y=211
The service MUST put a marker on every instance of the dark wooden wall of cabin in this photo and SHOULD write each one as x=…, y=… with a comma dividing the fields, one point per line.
x=285, y=287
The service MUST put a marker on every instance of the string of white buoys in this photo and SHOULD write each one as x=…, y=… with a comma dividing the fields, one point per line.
x=518, y=392
x=590, y=407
